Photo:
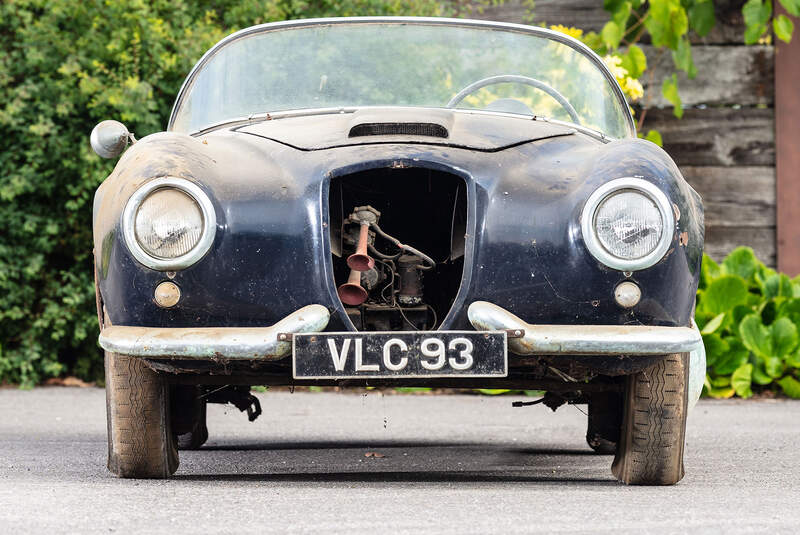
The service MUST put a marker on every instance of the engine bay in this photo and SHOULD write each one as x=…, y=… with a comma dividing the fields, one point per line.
x=398, y=238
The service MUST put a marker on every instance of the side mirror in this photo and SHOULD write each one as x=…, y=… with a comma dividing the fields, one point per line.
x=109, y=138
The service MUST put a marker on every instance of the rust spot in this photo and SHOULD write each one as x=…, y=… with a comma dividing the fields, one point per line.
x=683, y=239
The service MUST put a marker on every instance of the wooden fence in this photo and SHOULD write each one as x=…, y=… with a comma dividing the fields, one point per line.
x=725, y=142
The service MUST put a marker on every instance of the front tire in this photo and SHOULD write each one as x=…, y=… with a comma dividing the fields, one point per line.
x=650, y=450
x=140, y=440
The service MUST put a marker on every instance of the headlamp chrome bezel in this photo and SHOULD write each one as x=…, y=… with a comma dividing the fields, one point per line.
x=185, y=260
x=589, y=232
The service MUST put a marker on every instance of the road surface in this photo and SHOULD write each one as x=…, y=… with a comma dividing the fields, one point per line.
x=354, y=463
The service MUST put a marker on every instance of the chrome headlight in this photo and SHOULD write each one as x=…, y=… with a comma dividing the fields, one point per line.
x=627, y=224
x=169, y=224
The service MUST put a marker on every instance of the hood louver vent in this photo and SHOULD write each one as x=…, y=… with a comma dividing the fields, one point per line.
x=395, y=129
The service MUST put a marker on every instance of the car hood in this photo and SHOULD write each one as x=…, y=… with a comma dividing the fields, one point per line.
x=471, y=130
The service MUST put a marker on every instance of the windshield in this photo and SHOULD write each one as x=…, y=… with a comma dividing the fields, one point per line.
x=424, y=62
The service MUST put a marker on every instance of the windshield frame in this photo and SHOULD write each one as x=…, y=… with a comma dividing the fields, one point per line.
x=505, y=26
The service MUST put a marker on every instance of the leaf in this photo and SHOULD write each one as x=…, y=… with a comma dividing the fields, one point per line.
x=719, y=382
x=634, y=61
x=611, y=34
x=757, y=12
x=716, y=348
x=791, y=6
x=709, y=271
x=790, y=309
x=742, y=262
x=721, y=393
x=756, y=16
x=783, y=27
x=784, y=337
x=666, y=22
x=777, y=285
x=760, y=376
x=682, y=56
x=669, y=88
x=755, y=336
x=753, y=33
x=790, y=387
x=714, y=324
x=735, y=356
x=742, y=379
x=773, y=344
x=653, y=136
x=773, y=366
x=701, y=17
x=723, y=294
x=621, y=14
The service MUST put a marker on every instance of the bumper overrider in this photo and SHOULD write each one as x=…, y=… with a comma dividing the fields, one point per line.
x=263, y=343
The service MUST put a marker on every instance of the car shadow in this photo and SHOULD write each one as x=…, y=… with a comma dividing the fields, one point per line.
x=387, y=461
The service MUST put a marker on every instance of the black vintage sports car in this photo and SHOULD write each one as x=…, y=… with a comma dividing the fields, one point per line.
x=395, y=202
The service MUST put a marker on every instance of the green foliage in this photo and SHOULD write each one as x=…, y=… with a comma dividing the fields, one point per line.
x=670, y=25
x=748, y=315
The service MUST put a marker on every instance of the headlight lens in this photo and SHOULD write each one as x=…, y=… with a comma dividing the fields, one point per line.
x=168, y=224
x=628, y=224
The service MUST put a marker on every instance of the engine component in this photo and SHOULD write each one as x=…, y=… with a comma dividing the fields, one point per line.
x=351, y=292
x=408, y=267
x=360, y=260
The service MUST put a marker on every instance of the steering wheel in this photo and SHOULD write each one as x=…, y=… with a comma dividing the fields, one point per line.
x=516, y=79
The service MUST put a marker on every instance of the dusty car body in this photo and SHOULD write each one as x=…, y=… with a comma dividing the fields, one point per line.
x=457, y=218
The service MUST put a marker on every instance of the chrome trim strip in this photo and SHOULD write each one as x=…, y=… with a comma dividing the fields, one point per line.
x=206, y=343
x=632, y=340
x=533, y=30
x=590, y=235
x=199, y=250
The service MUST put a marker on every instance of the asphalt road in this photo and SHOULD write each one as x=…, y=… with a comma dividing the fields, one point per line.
x=451, y=464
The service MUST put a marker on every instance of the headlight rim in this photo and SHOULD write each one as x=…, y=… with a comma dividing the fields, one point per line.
x=209, y=223
x=592, y=241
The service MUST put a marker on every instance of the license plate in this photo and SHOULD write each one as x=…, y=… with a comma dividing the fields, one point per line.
x=399, y=354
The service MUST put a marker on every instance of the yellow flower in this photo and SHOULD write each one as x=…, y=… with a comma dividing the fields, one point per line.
x=630, y=86
x=577, y=33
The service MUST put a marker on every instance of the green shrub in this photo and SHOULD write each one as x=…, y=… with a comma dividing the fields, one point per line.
x=748, y=315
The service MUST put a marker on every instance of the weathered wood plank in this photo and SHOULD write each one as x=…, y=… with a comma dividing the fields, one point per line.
x=722, y=240
x=726, y=75
x=589, y=15
x=717, y=136
x=735, y=196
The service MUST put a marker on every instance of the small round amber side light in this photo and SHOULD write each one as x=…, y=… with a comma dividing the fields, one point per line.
x=627, y=294
x=167, y=294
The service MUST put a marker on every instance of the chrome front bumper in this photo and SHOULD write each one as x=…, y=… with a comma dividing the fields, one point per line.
x=583, y=339
x=244, y=343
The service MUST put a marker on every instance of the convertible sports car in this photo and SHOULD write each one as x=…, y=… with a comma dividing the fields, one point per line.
x=397, y=202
